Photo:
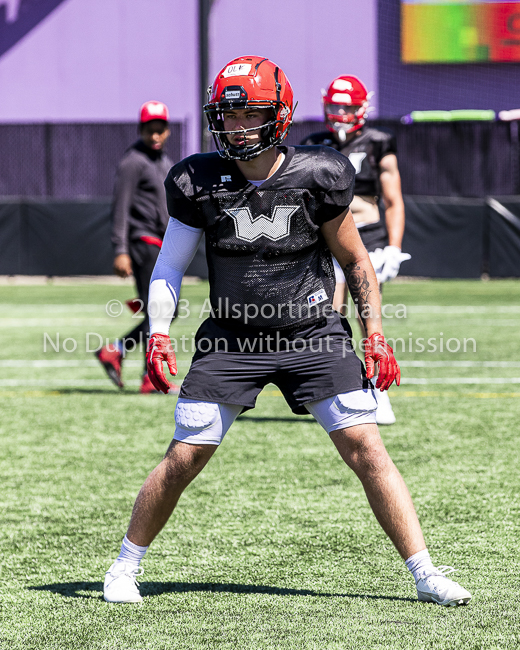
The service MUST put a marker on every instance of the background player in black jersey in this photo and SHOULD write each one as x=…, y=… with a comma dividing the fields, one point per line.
x=139, y=220
x=372, y=152
x=271, y=216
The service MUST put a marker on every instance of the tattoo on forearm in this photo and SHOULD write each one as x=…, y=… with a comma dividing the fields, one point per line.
x=359, y=287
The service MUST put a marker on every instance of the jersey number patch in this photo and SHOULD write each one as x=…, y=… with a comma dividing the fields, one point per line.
x=274, y=228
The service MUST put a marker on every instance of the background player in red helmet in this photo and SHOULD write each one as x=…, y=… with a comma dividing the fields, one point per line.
x=372, y=152
x=271, y=216
x=139, y=220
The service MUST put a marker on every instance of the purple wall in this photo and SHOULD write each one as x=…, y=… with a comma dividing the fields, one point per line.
x=311, y=42
x=405, y=88
x=99, y=60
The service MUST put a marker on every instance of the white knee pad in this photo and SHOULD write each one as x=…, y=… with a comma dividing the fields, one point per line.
x=203, y=423
x=345, y=410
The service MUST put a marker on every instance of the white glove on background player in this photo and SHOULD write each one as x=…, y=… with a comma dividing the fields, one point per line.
x=386, y=262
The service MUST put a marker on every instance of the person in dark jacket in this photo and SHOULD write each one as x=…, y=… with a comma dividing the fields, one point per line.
x=139, y=220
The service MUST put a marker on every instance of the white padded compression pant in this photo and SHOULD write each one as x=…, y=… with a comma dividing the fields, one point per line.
x=345, y=410
x=206, y=423
x=203, y=423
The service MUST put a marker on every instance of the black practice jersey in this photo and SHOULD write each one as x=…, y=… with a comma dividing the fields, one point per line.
x=269, y=266
x=365, y=151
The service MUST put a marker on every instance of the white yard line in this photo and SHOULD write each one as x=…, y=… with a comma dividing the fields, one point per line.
x=459, y=364
x=461, y=380
x=418, y=309
x=56, y=322
x=64, y=383
x=463, y=309
x=60, y=363
x=135, y=382
x=91, y=363
x=58, y=308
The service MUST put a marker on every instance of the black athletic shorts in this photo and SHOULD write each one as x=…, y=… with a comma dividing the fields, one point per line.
x=374, y=236
x=232, y=367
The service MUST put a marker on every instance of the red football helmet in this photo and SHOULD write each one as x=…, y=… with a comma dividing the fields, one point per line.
x=250, y=82
x=345, y=104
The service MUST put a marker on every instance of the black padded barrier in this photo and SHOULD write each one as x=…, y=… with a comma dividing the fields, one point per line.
x=444, y=237
x=67, y=238
x=39, y=237
x=10, y=237
x=447, y=238
x=504, y=237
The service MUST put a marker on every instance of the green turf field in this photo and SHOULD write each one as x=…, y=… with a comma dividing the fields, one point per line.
x=273, y=546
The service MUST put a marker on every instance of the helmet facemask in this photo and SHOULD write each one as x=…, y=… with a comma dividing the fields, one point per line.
x=271, y=132
x=268, y=130
x=344, y=118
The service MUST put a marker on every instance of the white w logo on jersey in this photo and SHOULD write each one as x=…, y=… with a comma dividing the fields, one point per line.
x=274, y=228
x=356, y=158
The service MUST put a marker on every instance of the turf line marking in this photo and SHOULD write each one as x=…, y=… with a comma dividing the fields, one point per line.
x=451, y=393
x=459, y=364
x=277, y=393
x=65, y=383
x=418, y=309
x=463, y=309
x=59, y=363
x=6, y=323
x=132, y=363
x=59, y=308
x=404, y=380
x=460, y=380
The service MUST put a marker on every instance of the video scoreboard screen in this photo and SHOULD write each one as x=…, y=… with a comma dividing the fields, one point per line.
x=459, y=32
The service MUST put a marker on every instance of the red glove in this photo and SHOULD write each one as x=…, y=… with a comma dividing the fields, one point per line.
x=159, y=350
x=378, y=351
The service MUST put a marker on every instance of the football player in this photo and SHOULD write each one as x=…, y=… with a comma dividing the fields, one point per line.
x=372, y=152
x=271, y=214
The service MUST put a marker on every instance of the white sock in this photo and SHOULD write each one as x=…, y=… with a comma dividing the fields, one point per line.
x=131, y=553
x=420, y=564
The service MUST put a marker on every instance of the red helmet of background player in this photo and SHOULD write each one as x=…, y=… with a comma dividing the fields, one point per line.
x=250, y=82
x=345, y=104
x=153, y=111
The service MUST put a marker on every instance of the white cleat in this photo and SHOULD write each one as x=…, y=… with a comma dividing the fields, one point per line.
x=121, y=583
x=384, y=413
x=437, y=588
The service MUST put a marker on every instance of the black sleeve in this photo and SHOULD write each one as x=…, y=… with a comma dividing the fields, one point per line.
x=127, y=180
x=337, y=198
x=180, y=206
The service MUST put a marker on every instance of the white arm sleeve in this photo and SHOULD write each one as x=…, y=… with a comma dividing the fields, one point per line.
x=179, y=247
